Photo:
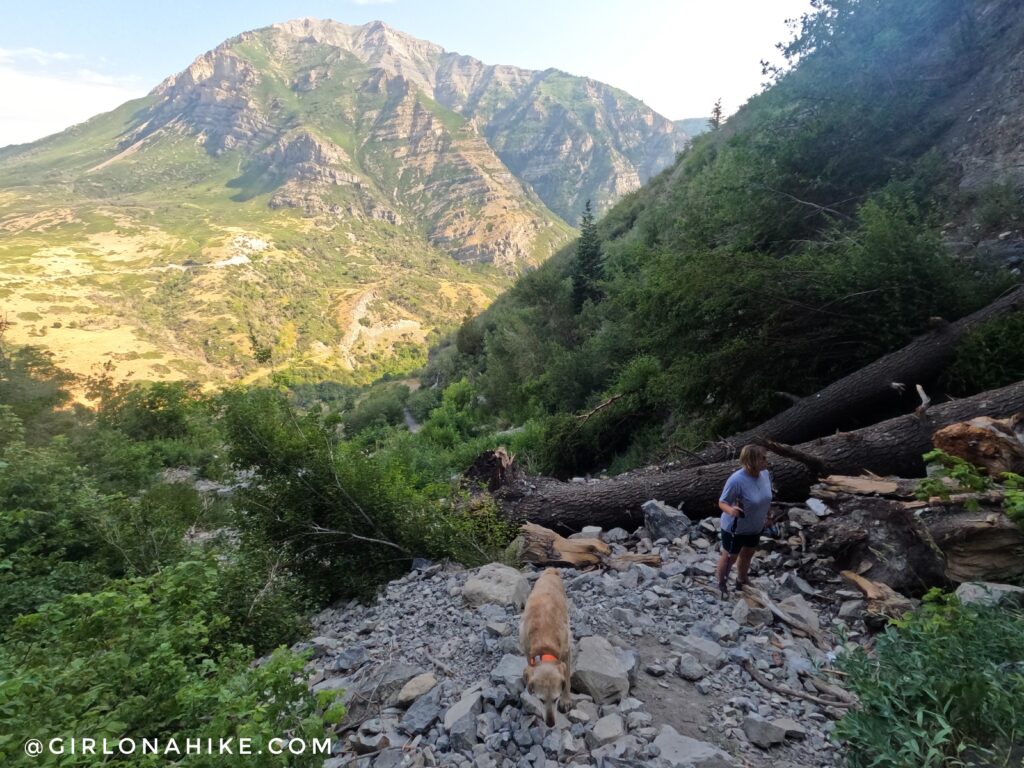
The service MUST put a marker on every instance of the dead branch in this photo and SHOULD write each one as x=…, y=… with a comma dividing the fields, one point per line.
x=765, y=683
x=813, y=463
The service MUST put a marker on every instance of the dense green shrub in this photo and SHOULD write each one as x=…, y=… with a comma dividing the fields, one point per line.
x=943, y=684
x=991, y=356
x=382, y=406
x=148, y=658
x=343, y=519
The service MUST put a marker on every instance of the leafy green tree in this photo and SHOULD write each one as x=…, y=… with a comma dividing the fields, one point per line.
x=149, y=658
x=587, y=272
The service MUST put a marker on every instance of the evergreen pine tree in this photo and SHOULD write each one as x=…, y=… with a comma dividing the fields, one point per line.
x=586, y=273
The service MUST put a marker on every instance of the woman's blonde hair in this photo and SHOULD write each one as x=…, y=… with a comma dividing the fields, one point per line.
x=751, y=455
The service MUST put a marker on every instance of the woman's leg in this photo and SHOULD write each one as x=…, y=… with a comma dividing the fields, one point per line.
x=725, y=561
x=743, y=564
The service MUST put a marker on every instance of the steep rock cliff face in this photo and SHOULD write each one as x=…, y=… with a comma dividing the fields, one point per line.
x=570, y=138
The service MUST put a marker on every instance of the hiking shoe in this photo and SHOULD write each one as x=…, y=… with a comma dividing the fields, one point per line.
x=723, y=587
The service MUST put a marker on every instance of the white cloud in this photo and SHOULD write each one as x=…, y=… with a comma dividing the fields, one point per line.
x=33, y=55
x=34, y=104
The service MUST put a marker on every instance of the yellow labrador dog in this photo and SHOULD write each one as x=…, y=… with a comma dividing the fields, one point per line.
x=547, y=643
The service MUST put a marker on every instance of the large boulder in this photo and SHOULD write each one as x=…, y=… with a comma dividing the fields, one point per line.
x=680, y=751
x=600, y=671
x=708, y=652
x=498, y=584
x=990, y=593
x=665, y=522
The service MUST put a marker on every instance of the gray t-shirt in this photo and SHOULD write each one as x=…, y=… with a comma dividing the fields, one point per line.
x=753, y=494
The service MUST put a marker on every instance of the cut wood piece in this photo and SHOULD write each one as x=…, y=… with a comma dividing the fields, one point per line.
x=542, y=546
x=884, y=603
x=995, y=445
x=893, y=447
x=864, y=485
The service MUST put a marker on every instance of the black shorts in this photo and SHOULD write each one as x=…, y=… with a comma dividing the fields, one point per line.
x=734, y=542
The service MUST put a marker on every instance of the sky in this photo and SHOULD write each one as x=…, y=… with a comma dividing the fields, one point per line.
x=63, y=61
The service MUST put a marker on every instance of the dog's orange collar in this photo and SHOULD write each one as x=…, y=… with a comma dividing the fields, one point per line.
x=535, y=660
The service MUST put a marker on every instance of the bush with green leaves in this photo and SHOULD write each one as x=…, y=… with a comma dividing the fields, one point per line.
x=149, y=658
x=382, y=406
x=989, y=357
x=343, y=518
x=942, y=684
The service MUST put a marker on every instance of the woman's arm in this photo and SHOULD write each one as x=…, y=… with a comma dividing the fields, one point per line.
x=730, y=509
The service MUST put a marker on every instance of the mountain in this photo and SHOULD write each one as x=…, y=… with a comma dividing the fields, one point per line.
x=693, y=126
x=874, y=188
x=310, y=195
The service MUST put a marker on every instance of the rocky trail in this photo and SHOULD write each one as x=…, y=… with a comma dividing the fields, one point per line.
x=432, y=671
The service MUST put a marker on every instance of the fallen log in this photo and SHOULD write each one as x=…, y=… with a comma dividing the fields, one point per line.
x=891, y=447
x=881, y=386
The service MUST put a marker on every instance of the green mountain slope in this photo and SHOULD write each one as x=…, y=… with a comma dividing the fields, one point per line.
x=825, y=224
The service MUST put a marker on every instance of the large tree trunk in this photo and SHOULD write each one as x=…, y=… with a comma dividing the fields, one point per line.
x=912, y=545
x=866, y=391
x=891, y=447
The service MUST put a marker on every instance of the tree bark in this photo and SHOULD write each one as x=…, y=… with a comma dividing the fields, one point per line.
x=891, y=447
x=867, y=390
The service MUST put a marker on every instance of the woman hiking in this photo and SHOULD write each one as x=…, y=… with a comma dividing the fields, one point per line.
x=745, y=502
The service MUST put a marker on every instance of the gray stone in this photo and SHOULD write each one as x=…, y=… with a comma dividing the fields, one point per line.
x=349, y=659
x=795, y=605
x=726, y=629
x=606, y=730
x=665, y=522
x=324, y=646
x=498, y=584
x=802, y=516
x=509, y=673
x=616, y=535
x=690, y=668
x=469, y=705
x=795, y=583
x=462, y=735
x=851, y=609
x=422, y=714
x=534, y=706
x=629, y=659
x=600, y=672
x=818, y=507
x=792, y=728
x=498, y=628
x=990, y=593
x=679, y=751
x=762, y=732
x=708, y=652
